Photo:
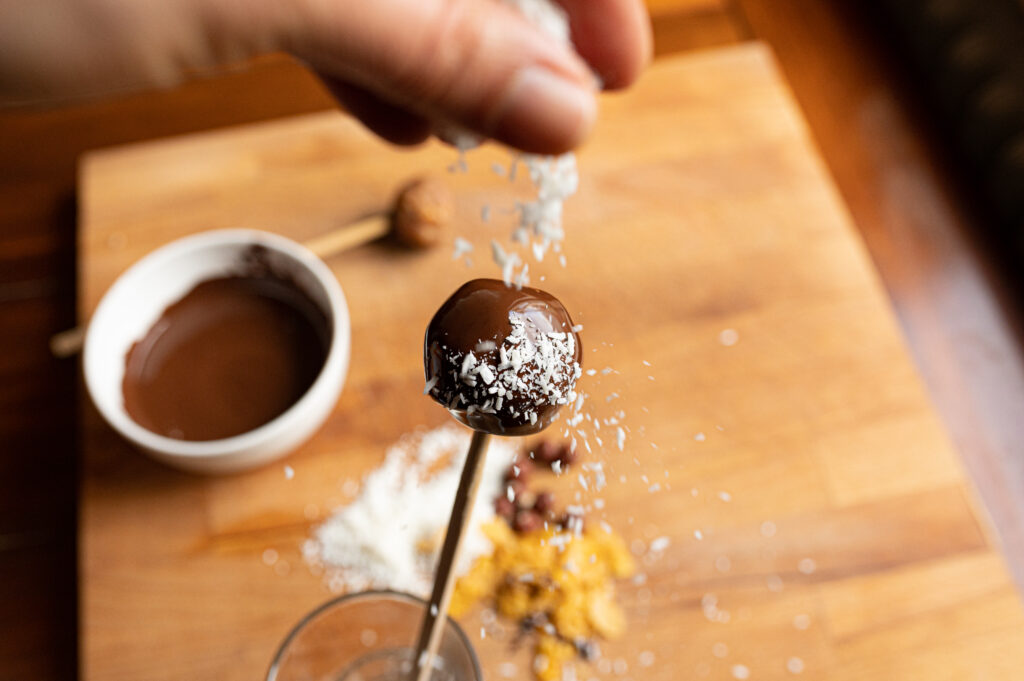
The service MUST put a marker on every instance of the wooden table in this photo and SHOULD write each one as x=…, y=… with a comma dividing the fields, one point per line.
x=702, y=207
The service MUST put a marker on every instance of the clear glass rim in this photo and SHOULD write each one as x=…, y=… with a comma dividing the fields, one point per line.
x=365, y=595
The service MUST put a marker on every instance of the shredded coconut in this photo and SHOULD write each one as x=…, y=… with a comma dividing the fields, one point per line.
x=388, y=537
x=530, y=368
x=728, y=337
x=555, y=178
x=461, y=248
x=807, y=566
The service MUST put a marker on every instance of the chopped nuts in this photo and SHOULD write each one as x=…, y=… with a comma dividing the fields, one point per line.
x=548, y=572
x=559, y=585
x=547, y=452
x=526, y=520
x=545, y=503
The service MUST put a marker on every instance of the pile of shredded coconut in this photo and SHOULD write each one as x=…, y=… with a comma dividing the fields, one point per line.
x=389, y=536
x=528, y=370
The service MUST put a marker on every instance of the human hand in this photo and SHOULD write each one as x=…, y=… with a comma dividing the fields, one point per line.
x=403, y=67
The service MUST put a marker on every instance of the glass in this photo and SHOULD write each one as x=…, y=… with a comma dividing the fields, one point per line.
x=369, y=636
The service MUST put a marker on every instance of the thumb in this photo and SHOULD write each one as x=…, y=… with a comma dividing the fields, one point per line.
x=476, y=63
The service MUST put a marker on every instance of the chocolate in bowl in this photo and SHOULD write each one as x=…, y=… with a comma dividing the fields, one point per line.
x=230, y=356
x=141, y=294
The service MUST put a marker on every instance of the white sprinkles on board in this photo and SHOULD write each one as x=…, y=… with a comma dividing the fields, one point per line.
x=375, y=543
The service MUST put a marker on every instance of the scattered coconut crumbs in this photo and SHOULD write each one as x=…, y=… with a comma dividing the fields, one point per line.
x=374, y=542
x=461, y=248
x=728, y=337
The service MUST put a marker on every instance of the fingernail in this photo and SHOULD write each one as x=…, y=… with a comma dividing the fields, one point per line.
x=543, y=112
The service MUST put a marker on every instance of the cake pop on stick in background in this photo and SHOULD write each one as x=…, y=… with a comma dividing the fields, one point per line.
x=502, y=360
x=417, y=220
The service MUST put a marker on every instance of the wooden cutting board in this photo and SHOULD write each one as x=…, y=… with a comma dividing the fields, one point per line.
x=837, y=525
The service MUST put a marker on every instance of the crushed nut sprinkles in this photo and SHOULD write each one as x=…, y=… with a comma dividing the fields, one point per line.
x=557, y=583
x=549, y=571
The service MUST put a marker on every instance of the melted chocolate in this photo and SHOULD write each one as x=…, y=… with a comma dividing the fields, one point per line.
x=230, y=356
x=502, y=360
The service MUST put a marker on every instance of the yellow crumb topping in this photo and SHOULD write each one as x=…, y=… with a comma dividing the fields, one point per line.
x=562, y=584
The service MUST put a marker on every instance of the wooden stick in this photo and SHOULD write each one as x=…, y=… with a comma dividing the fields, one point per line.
x=437, y=610
x=421, y=208
x=354, y=234
x=69, y=342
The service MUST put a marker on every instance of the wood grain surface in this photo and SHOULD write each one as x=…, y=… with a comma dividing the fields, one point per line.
x=961, y=320
x=702, y=207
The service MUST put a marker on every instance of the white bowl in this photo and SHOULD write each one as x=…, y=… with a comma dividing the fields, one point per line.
x=139, y=297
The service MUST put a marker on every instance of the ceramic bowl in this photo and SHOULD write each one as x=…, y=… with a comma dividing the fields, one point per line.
x=137, y=300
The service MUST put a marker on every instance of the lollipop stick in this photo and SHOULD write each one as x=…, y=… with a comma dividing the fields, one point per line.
x=436, y=614
x=353, y=234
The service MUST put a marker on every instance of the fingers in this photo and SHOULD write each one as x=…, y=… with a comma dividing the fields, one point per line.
x=476, y=63
x=473, y=62
x=614, y=36
x=396, y=125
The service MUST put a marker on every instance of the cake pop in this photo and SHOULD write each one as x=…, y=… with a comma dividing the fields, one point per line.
x=502, y=360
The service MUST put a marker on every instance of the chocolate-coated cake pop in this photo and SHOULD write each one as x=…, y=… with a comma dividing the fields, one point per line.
x=503, y=360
